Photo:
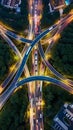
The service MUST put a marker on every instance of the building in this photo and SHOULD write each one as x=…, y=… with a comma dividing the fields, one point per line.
x=56, y=2
x=57, y=5
x=11, y=3
x=64, y=119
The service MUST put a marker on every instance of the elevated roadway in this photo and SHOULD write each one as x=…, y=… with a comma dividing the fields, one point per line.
x=9, y=90
x=15, y=83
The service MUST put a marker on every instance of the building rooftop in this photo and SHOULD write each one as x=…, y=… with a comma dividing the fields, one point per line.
x=64, y=119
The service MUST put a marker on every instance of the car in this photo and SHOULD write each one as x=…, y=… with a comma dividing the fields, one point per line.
x=36, y=57
x=41, y=116
x=36, y=120
x=50, y=28
x=36, y=127
x=36, y=62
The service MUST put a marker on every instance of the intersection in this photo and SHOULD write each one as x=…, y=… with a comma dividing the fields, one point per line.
x=35, y=97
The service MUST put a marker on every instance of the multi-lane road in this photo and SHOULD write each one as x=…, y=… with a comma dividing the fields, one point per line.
x=33, y=43
x=15, y=36
x=6, y=94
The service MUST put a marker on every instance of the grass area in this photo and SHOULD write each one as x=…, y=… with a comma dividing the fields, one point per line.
x=54, y=98
x=18, y=21
x=62, y=52
x=13, y=115
x=6, y=59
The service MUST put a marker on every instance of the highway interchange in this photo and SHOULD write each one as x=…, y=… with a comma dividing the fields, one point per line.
x=20, y=66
